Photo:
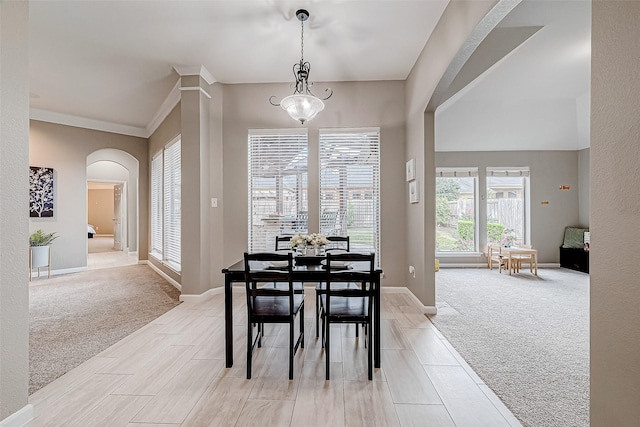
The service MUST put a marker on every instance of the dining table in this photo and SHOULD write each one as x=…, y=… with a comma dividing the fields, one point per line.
x=307, y=270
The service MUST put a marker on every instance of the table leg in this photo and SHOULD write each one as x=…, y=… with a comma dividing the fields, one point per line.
x=376, y=326
x=228, y=320
x=535, y=259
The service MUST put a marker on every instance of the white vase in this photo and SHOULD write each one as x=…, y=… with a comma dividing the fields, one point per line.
x=39, y=256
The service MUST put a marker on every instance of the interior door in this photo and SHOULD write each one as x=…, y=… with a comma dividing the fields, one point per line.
x=117, y=217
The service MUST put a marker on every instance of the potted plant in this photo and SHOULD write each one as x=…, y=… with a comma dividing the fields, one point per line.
x=39, y=242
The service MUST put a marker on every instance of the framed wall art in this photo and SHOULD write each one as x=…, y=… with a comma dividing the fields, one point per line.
x=414, y=194
x=40, y=192
x=411, y=170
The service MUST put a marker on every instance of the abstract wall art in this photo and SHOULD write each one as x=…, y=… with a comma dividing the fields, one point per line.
x=40, y=192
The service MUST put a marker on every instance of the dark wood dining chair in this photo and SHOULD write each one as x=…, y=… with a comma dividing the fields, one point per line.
x=282, y=242
x=346, y=305
x=338, y=243
x=267, y=304
x=335, y=243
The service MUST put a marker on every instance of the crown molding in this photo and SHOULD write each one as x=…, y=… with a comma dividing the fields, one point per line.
x=172, y=99
x=83, y=122
x=167, y=105
x=195, y=70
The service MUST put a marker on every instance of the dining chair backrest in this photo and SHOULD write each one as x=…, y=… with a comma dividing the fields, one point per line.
x=257, y=269
x=350, y=267
x=282, y=242
x=338, y=242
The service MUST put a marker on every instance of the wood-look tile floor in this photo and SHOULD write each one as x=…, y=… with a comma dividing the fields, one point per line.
x=171, y=373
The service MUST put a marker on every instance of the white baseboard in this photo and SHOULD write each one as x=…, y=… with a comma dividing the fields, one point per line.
x=426, y=309
x=463, y=265
x=196, y=298
x=164, y=275
x=19, y=418
x=484, y=265
x=58, y=272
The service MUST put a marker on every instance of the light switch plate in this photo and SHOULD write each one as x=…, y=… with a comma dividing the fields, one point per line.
x=214, y=202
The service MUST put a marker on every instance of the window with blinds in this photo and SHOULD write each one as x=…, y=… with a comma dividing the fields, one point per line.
x=172, y=202
x=277, y=167
x=507, y=201
x=350, y=186
x=156, y=205
x=456, y=222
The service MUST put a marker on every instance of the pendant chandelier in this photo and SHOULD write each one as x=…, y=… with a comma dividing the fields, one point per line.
x=302, y=105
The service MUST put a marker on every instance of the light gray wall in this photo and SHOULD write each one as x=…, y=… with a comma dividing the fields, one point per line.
x=549, y=170
x=454, y=28
x=353, y=105
x=165, y=133
x=66, y=149
x=615, y=204
x=584, y=187
x=14, y=202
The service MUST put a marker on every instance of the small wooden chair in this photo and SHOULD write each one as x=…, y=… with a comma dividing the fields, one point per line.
x=519, y=259
x=494, y=255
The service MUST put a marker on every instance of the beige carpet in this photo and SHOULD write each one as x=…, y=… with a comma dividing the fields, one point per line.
x=527, y=337
x=100, y=244
x=76, y=316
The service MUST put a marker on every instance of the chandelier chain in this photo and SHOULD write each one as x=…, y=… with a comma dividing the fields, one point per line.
x=302, y=42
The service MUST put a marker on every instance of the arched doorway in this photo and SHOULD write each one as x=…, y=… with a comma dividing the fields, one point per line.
x=112, y=209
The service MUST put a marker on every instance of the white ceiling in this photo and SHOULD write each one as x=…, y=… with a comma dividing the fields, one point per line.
x=98, y=63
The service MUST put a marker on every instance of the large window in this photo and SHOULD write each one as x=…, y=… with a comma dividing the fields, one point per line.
x=350, y=186
x=506, y=204
x=166, y=178
x=156, y=205
x=456, y=225
x=277, y=185
x=172, y=199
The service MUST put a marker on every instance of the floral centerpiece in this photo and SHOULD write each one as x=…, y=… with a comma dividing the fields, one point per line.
x=304, y=241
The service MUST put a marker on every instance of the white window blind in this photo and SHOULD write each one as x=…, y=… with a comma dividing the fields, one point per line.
x=277, y=167
x=172, y=202
x=156, y=205
x=350, y=186
x=456, y=172
x=515, y=172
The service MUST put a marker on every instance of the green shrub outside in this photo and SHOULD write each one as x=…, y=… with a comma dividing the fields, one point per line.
x=443, y=211
x=495, y=232
x=465, y=229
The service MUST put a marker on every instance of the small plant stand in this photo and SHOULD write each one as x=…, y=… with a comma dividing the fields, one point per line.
x=39, y=257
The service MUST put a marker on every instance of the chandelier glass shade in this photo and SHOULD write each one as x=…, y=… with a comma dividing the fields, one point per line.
x=302, y=105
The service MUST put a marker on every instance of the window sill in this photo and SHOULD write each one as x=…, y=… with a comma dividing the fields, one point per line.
x=170, y=265
x=459, y=254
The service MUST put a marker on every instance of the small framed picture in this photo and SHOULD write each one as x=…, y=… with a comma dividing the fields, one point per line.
x=414, y=194
x=411, y=170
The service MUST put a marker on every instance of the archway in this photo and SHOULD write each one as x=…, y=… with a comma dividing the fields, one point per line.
x=115, y=172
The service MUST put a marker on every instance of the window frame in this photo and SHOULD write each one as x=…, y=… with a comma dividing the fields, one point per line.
x=292, y=141
x=462, y=172
x=372, y=136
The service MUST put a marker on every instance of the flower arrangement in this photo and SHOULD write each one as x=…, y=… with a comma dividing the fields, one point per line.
x=314, y=239
x=508, y=237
